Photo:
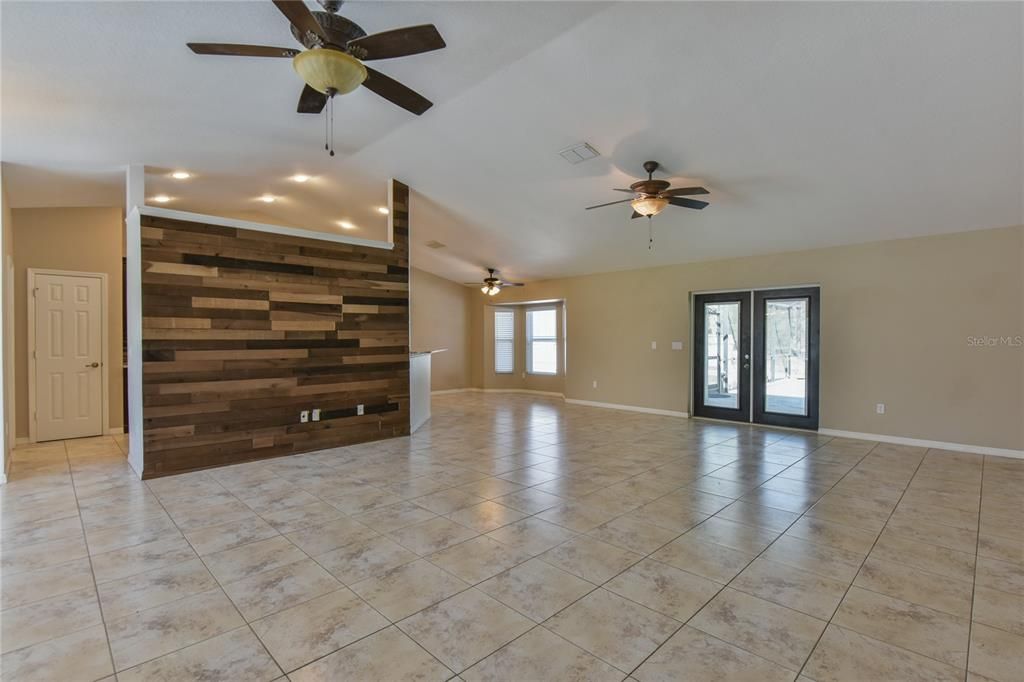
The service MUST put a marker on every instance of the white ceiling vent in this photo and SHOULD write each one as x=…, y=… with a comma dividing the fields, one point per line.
x=434, y=244
x=578, y=153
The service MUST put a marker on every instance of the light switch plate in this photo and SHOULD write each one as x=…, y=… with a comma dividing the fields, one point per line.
x=359, y=409
x=677, y=345
x=654, y=345
x=880, y=408
x=304, y=416
x=316, y=414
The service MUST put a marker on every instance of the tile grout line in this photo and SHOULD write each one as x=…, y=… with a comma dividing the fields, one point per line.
x=220, y=587
x=92, y=571
x=648, y=556
x=748, y=564
x=974, y=582
x=849, y=587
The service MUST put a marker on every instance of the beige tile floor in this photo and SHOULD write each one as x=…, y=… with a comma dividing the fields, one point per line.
x=520, y=539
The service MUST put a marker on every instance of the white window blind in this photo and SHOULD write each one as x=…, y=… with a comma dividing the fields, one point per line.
x=504, y=341
x=542, y=341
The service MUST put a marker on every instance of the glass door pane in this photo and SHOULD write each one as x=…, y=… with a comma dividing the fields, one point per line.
x=722, y=354
x=721, y=382
x=785, y=366
x=786, y=332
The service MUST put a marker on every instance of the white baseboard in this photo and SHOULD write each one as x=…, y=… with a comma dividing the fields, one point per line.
x=628, y=408
x=550, y=394
x=917, y=442
x=3, y=479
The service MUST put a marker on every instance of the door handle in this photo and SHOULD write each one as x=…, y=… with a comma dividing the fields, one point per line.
x=93, y=364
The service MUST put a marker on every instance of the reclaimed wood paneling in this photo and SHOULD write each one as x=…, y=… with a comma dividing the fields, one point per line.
x=242, y=330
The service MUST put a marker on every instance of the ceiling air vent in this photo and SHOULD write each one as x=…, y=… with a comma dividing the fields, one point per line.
x=434, y=244
x=578, y=153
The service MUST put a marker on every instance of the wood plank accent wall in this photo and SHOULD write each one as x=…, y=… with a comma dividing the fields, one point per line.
x=244, y=329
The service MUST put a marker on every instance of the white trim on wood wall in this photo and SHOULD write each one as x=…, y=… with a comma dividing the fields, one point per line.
x=918, y=442
x=628, y=408
x=262, y=227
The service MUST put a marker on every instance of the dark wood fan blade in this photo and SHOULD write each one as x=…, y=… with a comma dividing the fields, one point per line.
x=687, y=203
x=300, y=17
x=683, y=191
x=619, y=189
x=311, y=101
x=400, y=42
x=512, y=284
x=395, y=92
x=636, y=215
x=610, y=203
x=242, y=50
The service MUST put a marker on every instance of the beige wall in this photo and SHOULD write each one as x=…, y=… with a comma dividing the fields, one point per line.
x=896, y=318
x=82, y=239
x=440, y=318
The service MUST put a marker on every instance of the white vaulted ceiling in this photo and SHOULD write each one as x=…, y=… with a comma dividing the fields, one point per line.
x=812, y=124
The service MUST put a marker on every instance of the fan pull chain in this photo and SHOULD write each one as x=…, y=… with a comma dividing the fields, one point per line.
x=650, y=233
x=329, y=125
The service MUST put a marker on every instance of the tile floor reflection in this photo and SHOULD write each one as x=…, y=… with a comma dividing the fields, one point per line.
x=520, y=538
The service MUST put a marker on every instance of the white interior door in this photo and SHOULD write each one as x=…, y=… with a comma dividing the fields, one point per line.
x=68, y=356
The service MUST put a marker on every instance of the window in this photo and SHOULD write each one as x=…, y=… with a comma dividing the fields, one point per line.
x=542, y=341
x=504, y=341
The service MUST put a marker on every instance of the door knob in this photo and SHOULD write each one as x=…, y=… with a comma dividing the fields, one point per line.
x=93, y=364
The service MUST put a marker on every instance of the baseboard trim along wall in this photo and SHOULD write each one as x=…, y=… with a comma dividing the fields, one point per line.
x=550, y=394
x=918, y=442
x=627, y=408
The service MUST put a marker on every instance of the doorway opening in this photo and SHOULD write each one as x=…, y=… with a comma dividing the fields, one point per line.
x=756, y=356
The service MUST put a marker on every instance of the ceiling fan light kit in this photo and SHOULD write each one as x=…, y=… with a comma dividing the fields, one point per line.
x=330, y=72
x=332, y=63
x=493, y=284
x=651, y=197
x=649, y=206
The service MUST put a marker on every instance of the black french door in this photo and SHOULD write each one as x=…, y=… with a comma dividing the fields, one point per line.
x=721, y=346
x=756, y=356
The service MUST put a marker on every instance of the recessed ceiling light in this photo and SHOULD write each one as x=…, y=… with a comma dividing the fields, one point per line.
x=346, y=225
x=300, y=177
x=383, y=210
x=181, y=175
x=268, y=198
x=161, y=198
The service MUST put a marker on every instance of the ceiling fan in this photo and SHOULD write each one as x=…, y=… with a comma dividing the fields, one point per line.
x=493, y=285
x=336, y=47
x=650, y=196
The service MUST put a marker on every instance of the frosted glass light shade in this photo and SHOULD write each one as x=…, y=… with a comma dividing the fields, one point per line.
x=648, y=206
x=325, y=69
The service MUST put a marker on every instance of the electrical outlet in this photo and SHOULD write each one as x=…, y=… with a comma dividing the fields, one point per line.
x=359, y=409
x=880, y=408
x=654, y=345
x=316, y=414
x=595, y=383
x=304, y=416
